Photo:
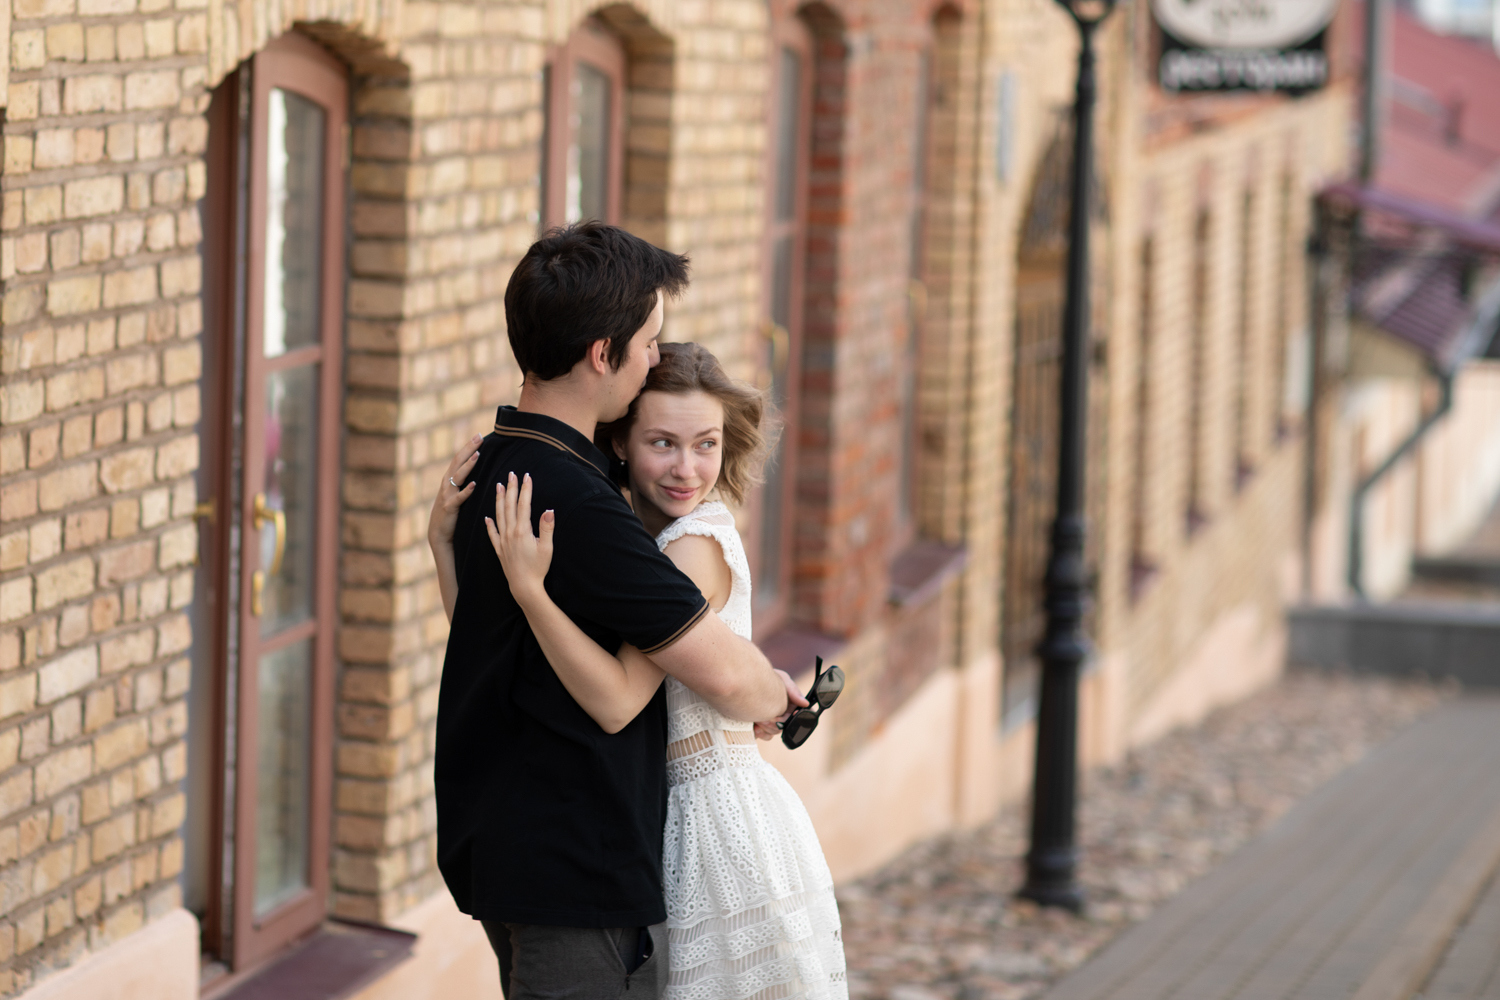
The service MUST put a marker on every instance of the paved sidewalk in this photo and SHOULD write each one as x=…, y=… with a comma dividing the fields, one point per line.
x=942, y=922
x=1470, y=970
x=1378, y=886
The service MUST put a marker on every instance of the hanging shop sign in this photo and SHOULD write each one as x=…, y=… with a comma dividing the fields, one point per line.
x=1243, y=44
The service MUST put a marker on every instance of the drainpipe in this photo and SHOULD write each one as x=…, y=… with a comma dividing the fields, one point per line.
x=1474, y=341
x=1357, y=502
x=1376, y=82
x=1317, y=253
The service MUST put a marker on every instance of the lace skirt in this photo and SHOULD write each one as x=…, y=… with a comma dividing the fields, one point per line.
x=750, y=908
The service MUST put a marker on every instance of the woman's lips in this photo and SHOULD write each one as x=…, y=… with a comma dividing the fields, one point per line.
x=678, y=494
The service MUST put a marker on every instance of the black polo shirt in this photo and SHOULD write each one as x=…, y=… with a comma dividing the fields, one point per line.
x=543, y=818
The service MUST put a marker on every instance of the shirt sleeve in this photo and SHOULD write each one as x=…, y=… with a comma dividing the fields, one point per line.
x=607, y=570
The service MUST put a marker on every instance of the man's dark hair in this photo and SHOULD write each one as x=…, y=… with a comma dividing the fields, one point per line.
x=581, y=283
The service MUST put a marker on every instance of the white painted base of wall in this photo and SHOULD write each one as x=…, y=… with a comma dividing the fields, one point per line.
x=157, y=962
x=938, y=764
x=452, y=957
x=941, y=763
x=1239, y=655
x=896, y=790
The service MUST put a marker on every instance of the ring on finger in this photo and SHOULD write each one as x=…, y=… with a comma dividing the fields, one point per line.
x=452, y=483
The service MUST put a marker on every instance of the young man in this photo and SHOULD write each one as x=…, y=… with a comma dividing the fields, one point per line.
x=549, y=829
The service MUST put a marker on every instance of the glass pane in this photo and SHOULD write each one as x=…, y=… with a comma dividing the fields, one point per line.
x=772, y=522
x=919, y=163
x=781, y=284
x=546, y=159
x=291, y=485
x=282, y=792
x=294, y=221
x=588, y=155
x=768, y=582
x=788, y=128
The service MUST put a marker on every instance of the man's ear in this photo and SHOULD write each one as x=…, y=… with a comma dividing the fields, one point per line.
x=598, y=357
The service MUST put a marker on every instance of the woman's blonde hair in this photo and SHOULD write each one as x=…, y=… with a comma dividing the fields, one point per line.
x=686, y=368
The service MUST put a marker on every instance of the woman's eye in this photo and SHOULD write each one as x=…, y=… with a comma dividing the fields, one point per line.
x=708, y=445
x=661, y=443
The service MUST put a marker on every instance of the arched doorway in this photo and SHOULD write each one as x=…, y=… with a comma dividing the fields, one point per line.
x=257, y=870
x=1034, y=415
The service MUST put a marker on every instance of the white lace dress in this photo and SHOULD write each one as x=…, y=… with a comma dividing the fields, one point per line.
x=750, y=905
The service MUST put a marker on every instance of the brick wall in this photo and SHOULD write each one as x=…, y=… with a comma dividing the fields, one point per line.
x=1239, y=150
x=104, y=163
x=100, y=365
x=100, y=361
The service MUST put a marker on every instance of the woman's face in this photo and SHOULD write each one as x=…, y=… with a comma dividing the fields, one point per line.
x=675, y=451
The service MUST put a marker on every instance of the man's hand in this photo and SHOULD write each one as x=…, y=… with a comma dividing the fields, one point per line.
x=725, y=670
x=768, y=729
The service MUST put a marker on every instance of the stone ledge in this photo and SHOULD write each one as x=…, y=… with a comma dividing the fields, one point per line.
x=157, y=962
x=1408, y=638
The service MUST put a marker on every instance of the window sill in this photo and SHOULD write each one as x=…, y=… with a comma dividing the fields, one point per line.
x=334, y=961
x=793, y=649
x=920, y=570
x=1143, y=573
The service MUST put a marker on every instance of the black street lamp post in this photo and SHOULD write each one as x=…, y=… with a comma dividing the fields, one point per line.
x=1052, y=861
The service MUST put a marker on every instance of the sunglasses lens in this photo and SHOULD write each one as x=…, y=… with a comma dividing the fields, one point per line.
x=829, y=686
x=798, y=728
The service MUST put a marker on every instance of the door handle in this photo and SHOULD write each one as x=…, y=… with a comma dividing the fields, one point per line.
x=780, y=341
x=262, y=514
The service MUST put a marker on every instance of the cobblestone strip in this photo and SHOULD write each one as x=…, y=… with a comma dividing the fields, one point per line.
x=942, y=921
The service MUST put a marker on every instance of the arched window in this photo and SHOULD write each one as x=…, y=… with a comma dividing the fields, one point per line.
x=791, y=122
x=583, y=141
x=1196, y=513
x=1142, y=562
x=908, y=383
x=1247, y=353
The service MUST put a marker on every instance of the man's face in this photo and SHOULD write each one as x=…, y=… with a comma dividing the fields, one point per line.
x=640, y=357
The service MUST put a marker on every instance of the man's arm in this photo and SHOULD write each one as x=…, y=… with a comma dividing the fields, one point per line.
x=607, y=570
x=728, y=672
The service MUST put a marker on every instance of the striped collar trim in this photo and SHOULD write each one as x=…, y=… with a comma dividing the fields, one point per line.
x=579, y=449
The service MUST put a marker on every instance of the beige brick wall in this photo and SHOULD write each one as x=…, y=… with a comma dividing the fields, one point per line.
x=1255, y=310
x=104, y=162
x=100, y=362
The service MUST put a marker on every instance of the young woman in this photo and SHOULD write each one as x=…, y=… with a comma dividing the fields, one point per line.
x=750, y=904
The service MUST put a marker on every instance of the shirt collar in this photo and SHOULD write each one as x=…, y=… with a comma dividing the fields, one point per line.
x=513, y=423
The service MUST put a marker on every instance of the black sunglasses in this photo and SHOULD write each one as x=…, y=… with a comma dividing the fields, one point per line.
x=826, y=688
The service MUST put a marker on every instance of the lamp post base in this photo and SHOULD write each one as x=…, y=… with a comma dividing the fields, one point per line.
x=1050, y=880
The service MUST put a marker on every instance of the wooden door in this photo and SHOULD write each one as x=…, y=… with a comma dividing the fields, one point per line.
x=275, y=294
x=1032, y=505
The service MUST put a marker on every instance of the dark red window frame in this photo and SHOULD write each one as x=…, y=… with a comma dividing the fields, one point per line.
x=594, y=44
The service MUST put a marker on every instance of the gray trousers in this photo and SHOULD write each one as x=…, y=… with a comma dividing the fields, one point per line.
x=541, y=962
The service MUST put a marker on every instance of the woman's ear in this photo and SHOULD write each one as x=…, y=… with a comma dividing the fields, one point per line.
x=620, y=452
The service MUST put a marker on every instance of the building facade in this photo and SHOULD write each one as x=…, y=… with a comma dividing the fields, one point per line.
x=254, y=256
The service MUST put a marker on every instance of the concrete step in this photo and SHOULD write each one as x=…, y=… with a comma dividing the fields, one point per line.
x=1483, y=570
x=1356, y=894
x=1410, y=638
